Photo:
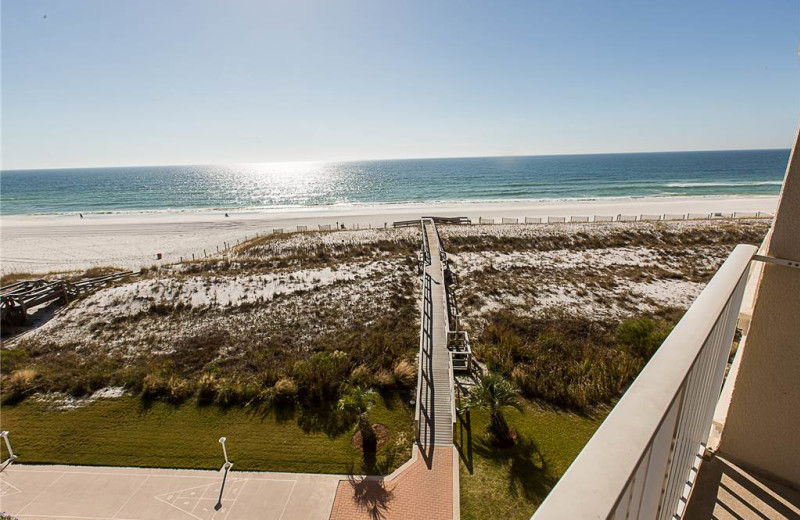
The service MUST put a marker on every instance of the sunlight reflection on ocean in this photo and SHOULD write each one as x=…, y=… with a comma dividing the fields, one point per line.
x=310, y=184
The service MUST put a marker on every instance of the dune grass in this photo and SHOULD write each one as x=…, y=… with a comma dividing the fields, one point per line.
x=124, y=432
x=510, y=483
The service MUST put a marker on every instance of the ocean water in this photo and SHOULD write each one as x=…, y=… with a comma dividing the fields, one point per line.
x=292, y=185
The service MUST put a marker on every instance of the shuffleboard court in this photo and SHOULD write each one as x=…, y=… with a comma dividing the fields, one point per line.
x=103, y=493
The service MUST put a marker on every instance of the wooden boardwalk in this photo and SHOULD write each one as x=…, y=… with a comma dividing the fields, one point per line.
x=17, y=298
x=426, y=487
x=435, y=394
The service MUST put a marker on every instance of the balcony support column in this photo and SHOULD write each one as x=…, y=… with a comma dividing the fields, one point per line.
x=763, y=420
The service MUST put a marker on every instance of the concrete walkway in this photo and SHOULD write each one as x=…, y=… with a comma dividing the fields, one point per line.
x=103, y=493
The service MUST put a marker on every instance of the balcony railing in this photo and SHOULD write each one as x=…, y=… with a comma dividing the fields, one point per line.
x=639, y=464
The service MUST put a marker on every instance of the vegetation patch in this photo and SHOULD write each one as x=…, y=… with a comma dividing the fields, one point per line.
x=567, y=359
x=510, y=483
x=126, y=432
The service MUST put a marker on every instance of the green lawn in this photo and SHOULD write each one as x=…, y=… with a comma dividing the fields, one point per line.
x=511, y=483
x=123, y=432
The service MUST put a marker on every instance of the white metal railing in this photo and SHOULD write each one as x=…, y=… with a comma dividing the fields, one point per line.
x=638, y=463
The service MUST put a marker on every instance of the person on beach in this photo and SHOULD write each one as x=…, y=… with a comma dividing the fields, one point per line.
x=81, y=214
x=226, y=214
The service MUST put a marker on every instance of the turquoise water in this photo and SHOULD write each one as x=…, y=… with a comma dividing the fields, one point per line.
x=286, y=185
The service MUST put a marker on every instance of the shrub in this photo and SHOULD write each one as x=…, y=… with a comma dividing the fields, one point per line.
x=154, y=386
x=319, y=377
x=18, y=385
x=12, y=358
x=384, y=379
x=206, y=388
x=405, y=373
x=562, y=358
x=361, y=376
x=285, y=390
x=641, y=336
x=229, y=392
x=178, y=390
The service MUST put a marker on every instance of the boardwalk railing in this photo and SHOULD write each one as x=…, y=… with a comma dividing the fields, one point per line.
x=17, y=298
x=640, y=463
x=453, y=415
x=425, y=328
x=437, y=220
x=448, y=332
x=426, y=247
x=425, y=346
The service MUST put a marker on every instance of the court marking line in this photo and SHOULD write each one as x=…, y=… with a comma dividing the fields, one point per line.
x=235, y=500
x=40, y=493
x=131, y=496
x=221, y=499
x=4, y=482
x=177, y=508
x=76, y=517
x=65, y=472
x=201, y=496
x=283, y=512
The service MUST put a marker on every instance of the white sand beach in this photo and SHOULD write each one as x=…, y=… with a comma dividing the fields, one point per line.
x=43, y=243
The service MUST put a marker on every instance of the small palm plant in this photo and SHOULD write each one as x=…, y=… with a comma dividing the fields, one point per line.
x=358, y=402
x=494, y=393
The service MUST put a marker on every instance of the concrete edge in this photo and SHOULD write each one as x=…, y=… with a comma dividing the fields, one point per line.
x=396, y=473
x=456, y=485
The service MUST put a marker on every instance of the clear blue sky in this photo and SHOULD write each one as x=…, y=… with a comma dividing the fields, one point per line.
x=102, y=82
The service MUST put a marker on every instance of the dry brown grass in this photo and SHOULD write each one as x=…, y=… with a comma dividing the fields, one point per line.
x=18, y=385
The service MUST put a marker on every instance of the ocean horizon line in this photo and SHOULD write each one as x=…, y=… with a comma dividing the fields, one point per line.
x=390, y=159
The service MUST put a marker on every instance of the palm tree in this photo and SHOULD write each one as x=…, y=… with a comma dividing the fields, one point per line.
x=358, y=402
x=494, y=393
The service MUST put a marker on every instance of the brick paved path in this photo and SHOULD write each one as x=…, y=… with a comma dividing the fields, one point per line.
x=413, y=493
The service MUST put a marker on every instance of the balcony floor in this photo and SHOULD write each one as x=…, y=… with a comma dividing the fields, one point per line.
x=725, y=491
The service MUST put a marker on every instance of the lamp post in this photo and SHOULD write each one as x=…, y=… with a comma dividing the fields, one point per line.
x=228, y=463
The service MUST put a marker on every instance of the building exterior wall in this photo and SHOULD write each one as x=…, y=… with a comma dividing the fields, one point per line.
x=762, y=429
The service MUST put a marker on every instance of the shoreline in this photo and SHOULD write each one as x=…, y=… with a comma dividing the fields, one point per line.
x=42, y=243
x=697, y=203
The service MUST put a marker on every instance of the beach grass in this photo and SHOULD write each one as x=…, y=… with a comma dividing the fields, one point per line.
x=510, y=483
x=125, y=432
